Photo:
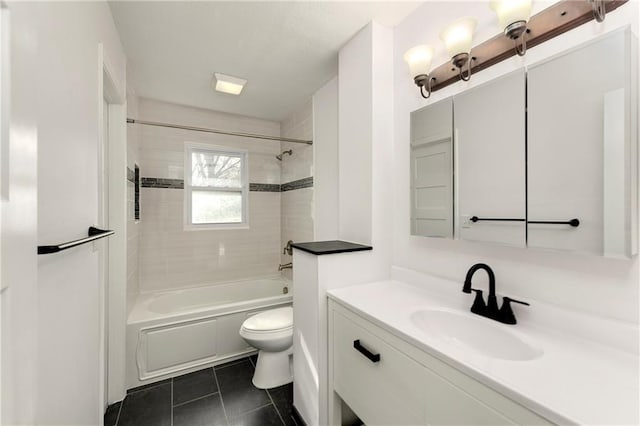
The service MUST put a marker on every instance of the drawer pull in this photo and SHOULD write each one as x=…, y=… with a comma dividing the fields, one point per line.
x=364, y=351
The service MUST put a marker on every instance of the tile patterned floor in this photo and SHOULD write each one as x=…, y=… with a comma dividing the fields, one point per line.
x=223, y=395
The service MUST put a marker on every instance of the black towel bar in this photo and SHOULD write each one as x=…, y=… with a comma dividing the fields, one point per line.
x=493, y=219
x=94, y=234
x=573, y=222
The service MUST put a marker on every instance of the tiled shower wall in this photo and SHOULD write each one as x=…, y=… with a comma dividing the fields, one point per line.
x=170, y=257
x=133, y=226
x=297, y=180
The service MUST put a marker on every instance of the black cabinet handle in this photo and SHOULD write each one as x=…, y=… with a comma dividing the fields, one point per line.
x=364, y=351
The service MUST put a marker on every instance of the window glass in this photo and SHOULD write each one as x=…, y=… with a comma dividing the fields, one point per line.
x=216, y=207
x=216, y=170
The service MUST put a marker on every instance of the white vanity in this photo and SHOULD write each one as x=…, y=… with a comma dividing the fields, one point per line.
x=411, y=354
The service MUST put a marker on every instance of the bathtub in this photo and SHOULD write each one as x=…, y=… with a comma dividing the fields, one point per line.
x=175, y=332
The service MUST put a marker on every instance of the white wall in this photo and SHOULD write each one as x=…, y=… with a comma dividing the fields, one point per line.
x=171, y=257
x=296, y=222
x=371, y=49
x=54, y=328
x=592, y=284
x=354, y=135
x=19, y=302
x=133, y=225
x=325, y=153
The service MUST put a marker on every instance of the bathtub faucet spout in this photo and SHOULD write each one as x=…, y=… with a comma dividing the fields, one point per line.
x=285, y=266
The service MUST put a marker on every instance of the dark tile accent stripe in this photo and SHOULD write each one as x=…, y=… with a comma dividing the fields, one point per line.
x=131, y=176
x=264, y=187
x=162, y=183
x=297, y=184
x=254, y=187
x=136, y=195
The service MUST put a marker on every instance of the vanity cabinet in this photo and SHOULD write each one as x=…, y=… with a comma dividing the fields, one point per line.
x=405, y=385
x=490, y=145
x=579, y=148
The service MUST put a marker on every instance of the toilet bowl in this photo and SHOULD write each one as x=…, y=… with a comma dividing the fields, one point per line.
x=271, y=332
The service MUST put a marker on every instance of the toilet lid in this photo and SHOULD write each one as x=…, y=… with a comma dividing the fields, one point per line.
x=271, y=320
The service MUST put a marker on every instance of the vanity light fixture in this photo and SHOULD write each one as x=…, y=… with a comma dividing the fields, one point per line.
x=513, y=16
x=457, y=38
x=419, y=60
x=227, y=83
x=562, y=16
x=599, y=11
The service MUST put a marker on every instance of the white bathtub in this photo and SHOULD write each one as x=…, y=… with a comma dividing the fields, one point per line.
x=175, y=332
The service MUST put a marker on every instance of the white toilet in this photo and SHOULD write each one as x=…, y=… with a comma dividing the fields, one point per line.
x=272, y=333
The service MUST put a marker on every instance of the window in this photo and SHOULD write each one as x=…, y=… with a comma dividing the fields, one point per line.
x=216, y=189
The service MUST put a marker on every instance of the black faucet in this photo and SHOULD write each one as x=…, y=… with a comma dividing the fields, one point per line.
x=490, y=310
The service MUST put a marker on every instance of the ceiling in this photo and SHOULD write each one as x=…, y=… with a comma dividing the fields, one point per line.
x=286, y=50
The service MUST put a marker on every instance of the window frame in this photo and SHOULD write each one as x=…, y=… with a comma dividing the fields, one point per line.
x=189, y=149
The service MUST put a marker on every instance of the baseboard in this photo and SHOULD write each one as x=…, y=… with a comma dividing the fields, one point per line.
x=297, y=417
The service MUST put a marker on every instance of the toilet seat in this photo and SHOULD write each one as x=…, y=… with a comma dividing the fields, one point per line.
x=272, y=321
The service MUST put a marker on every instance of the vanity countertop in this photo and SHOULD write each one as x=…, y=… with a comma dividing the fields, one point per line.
x=330, y=247
x=575, y=381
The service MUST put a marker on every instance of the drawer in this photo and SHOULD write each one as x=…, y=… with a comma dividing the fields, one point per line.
x=387, y=392
x=402, y=390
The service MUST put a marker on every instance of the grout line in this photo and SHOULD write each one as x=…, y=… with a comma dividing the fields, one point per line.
x=172, y=401
x=256, y=409
x=251, y=361
x=195, y=399
x=224, y=410
x=119, y=411
x=275, y=406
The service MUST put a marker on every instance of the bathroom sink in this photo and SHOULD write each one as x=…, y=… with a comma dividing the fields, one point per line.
x=476, y=333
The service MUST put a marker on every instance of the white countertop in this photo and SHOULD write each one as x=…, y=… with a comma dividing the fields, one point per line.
x=575, y=381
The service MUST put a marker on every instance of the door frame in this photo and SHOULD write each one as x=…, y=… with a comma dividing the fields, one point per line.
x=114, y=294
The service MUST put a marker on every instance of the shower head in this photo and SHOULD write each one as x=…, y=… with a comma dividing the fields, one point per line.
x=289, y=151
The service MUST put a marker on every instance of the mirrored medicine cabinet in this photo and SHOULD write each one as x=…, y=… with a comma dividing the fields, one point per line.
x=542, y=158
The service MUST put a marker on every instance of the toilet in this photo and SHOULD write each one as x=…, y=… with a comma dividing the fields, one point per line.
x=271, y=332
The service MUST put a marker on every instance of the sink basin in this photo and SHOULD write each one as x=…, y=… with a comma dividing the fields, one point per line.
x=469, y=331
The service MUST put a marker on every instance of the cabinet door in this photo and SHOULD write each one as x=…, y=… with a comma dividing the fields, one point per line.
x=432, y=170
x=490, y=145
x=387, y=391
x=577, y=137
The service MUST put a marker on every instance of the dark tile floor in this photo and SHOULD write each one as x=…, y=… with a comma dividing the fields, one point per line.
x=223, y=395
